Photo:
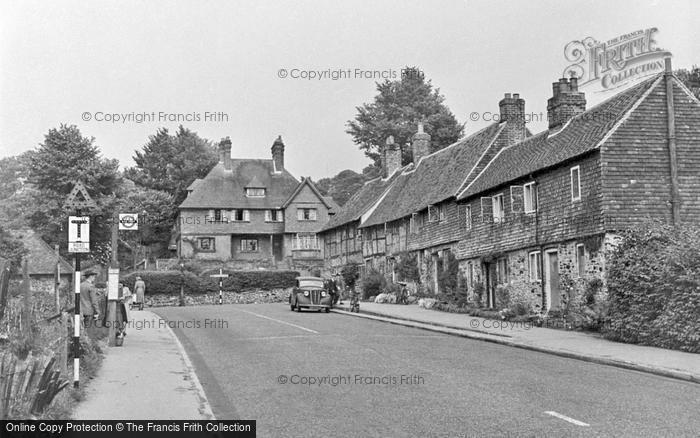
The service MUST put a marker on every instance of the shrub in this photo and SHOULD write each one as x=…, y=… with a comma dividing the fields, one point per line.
x=479, y=290
x=407, y=267
x=168, y=282
x=448, y=279
x=350, y=274
x=373, y=283
x=653, y=284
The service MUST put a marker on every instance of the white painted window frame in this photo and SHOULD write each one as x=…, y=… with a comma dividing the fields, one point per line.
x=578, y=182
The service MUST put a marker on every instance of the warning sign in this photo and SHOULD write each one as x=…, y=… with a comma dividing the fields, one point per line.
x=79, y=234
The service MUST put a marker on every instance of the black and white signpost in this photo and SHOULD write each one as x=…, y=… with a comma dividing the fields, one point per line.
x=221, y=277
x=78, y=243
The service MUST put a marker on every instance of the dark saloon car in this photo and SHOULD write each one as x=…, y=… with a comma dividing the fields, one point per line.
x=310, y=293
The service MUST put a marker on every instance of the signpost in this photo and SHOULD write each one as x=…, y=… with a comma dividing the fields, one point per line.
x=78, y=233
x=221, y=277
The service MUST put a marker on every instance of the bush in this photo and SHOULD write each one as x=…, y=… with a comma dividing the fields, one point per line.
x=350, y=274
x=373, y=283
x=407, y=267
x=653, y=284
x=168, y=282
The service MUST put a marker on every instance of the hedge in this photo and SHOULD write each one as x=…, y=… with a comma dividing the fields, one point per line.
x=168, y=282
x=653, y=281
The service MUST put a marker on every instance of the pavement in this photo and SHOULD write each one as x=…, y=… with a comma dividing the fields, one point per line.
x=149, y=377
x=314, y=374
x=589, y=347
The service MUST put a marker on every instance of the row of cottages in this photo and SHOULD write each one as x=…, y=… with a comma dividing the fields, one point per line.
x=533, y=212
x=253, y=214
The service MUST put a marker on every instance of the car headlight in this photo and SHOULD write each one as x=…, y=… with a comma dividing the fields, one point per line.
x=323, y=294
x=306, y=293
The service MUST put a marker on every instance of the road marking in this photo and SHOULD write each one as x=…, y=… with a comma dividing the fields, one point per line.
x=280, y=321
x=565, y=418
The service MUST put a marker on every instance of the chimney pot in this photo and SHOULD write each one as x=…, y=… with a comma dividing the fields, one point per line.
x=391, y=157
x=420, y=146
x=667, y=65
x=512, y=111
x=225, y=152
x=565, y=103
x=507, y=95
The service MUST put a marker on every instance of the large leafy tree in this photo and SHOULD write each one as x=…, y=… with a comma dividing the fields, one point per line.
x=11, y=249
x=170, y=163
x=691, y=79
x=342, y=186
x=64, y=157
x=397, y=109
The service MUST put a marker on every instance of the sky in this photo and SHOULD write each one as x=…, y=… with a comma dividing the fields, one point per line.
x=222, y=65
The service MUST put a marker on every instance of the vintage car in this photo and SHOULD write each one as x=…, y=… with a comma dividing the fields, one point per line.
x=310, y=293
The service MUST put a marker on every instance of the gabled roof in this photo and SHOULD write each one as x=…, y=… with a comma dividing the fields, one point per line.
x=312, y=186
x=361, y=201
x=225, y=189
x=580, y=135
x=194, y=184
x=437, y=177
x=41, y=258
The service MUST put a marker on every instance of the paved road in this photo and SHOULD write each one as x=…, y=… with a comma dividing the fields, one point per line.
x=451, y=386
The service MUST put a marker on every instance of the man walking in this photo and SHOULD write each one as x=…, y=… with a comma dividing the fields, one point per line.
x=89, y=301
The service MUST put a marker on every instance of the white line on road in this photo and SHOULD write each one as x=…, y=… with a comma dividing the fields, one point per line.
x=565, y=418
x=277, y=320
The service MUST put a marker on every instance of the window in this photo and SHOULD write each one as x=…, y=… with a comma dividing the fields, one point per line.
x=217, y=215
x=433, y=213
x=535, y=261
x=498, y=209
x=255, y=192
x=240, y=215
x=575, y=183
x=305, y=241
x=581, y=259
x=306, y=214
x=502, y=270
x=530, y=197
x=413, y=224
x=443, y=212
x=249, y=245
x=273, y=215
x=206, y=244
x=468, y=218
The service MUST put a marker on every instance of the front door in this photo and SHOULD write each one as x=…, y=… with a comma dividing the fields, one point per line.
x=490, y=282
x=551, y=287
x=277, y=246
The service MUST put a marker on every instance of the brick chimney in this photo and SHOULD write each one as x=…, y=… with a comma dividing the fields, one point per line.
x=391, y=157
x=278, y=154
x=225, y=152
x=512, y=111
x=565, y=103
x=421, y=144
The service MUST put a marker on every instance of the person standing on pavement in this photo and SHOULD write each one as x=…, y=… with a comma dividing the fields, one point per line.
x=140, y=290
x=89, y=301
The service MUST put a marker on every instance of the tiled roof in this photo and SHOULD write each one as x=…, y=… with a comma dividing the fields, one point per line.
x=578, y=136
x=437, y=177
x=312, y=186
x=41, y=258
x=223, y=188
x=361, y=201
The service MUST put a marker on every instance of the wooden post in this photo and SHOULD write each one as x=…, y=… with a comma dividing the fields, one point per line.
x=57, y=290
x=111, y=302
x=671, y=139
x=26, y=291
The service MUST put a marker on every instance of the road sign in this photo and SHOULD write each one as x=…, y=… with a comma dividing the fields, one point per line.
x=78, y=198
x=78, y=234
x=128, y=221
x=221, y=277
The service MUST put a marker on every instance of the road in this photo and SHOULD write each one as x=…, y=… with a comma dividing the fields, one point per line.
x=260, y=361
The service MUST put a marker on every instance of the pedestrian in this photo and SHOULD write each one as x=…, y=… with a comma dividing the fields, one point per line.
x=89, y=300
x=140, y=289
x=123, y=315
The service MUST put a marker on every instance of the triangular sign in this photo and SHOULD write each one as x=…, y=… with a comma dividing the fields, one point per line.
x=78, y=198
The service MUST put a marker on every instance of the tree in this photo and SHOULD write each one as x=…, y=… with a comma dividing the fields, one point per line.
x=156, y=211
x=342, y=186
x=64, y=157
x=11, y=249
x=170, y=163
x=691, y=79
x=397, y=109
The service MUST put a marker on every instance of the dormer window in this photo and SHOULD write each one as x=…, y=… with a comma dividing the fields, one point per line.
x=255, y=192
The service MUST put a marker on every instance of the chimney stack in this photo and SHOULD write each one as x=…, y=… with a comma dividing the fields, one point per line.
x=278, y=154
x=225, y=152
x=512, y=111
x=565, y=103
x=391, y=157
x=421, y=144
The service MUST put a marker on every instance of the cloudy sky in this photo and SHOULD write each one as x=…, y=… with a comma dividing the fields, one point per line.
x=61, y=59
